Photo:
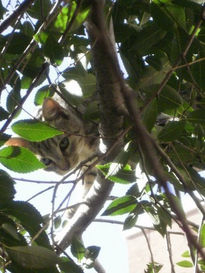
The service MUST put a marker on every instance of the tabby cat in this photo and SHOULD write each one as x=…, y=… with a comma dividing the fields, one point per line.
x=65, y=152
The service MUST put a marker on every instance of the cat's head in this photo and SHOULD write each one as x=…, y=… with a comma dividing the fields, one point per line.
x=60, y=153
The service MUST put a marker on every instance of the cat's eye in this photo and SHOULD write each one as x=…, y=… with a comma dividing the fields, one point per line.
x=46, y=161
x=64, y=143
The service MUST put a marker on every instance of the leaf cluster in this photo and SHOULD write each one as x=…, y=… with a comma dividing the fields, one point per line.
x=161, y=49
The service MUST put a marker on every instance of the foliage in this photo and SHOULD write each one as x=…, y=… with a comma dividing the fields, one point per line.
x=161, y=46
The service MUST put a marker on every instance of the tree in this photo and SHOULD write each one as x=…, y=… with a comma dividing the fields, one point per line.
x=152, y=116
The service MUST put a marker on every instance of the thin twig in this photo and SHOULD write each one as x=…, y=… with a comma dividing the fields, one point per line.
x=39, y=193
x=180, y=177
x=116, y=222
x=176, y=65
x=91, y=166
x=53, y=207
x=150, y=249
x=18, y=107
x=13, y=17
x=41, y=181
x=33, y=44
x=169, y=248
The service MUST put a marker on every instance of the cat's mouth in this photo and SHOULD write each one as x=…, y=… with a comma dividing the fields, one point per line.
x=62, y=170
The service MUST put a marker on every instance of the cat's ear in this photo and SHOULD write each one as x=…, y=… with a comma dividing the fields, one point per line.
x=50, y=109
x=17, y=141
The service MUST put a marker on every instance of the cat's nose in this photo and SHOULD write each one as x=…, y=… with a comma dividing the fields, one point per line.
x=64, y=166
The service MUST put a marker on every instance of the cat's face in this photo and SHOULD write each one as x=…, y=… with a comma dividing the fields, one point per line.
x=61, y=153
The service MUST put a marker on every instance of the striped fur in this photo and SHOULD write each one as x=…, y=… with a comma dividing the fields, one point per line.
x=63, y=153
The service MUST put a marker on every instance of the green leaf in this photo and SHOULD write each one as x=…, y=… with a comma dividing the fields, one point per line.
x=185, y=264
x=169, y=14
x=147, y=38
x=41, y=37
x=177, y=14
x=130, y=221
x=122, y=176
x=62, y=19
x=18, y=43
x=2, y=10
x=67, y=265
x=71, y=98
x=7, y=190
x=53, y=50
x=26, y=82
x=87, y=81
x=150, y=115
x=74, y=73
x=121, y=206
x=19, y=159
x=27, y=29
x=201, y=262
x=153, y=268
x=186, y=254
x=151, y=78
x=195, y=181
x=80, y=18
x=88, y=84
x=3, y=138
x=179, y=207
x=92, y=252
x=92, y=111
x=42, y=94
x=9, y=232
x=155, y=61
x=35, y=257
x=34, y=130
x=134, y=190
x=165, y=220
x=34, y=65
x=168, y=100
x=39, y=11
x=202, y=236
x=161, y=17
x=29, y=218
x=3, y=114
x=66, y=15
x=77, y=249
x=197, y=116
x=14, y=97
x=172, y=131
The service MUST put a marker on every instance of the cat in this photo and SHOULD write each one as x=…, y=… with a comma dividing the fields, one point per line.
x=63, y=153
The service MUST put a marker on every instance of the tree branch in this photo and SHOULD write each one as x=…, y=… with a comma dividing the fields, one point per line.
x=144, y=139
x=13, y=17
x=19, y=106
x=32, y=45
x=104, y=58
x=117, y=98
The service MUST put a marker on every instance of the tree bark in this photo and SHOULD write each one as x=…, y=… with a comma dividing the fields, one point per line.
x=112, y=108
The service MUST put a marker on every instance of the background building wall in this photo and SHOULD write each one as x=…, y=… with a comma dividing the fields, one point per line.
x=139, y=255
